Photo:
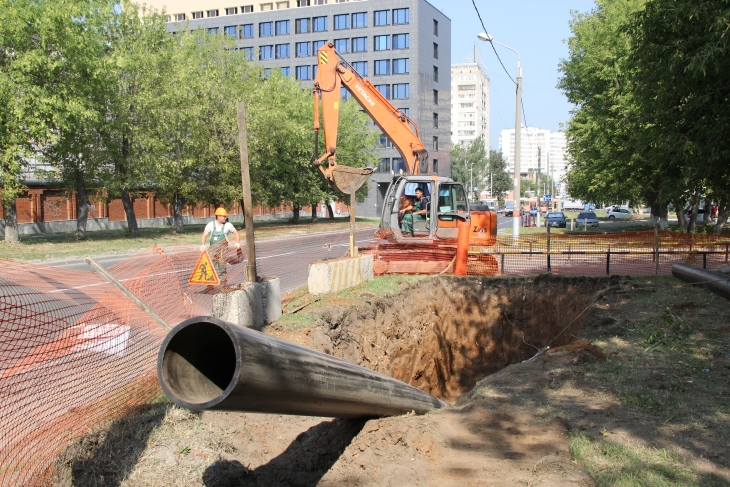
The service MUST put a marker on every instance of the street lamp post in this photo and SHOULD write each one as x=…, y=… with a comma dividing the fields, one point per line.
x=471, y=181
x=517, y=206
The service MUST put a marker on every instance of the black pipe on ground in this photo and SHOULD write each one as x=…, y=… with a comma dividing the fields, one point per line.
x=714, y=281
x=206, y=363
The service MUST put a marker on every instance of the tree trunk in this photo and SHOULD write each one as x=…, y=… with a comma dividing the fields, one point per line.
x=723, y=212
x=11, y=222
x=693, y=217
x=177, y=218
x=680, y=217
x=314, y=212
x=129, y=212
x=659, y=214
x=82, y=209
x=330, y=211
x=295, y=215
x=243, y=213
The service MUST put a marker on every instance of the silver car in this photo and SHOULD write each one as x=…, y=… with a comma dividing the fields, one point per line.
x=587, y=218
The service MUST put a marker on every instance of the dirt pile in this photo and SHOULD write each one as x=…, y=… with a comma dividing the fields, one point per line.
x=445, y=333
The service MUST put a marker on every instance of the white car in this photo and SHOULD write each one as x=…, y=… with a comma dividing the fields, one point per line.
x=618, y=214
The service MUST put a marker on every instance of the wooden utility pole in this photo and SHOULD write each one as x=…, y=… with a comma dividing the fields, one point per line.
x=251, y=274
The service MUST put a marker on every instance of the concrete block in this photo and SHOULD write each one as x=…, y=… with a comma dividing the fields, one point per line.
x=330, y=276
x=251, y=304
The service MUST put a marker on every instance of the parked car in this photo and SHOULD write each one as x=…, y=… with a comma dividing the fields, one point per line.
x=618, y=214
x=587, y=218
x=556, y=219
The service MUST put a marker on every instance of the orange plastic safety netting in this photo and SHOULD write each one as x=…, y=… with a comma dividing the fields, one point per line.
x=76, y=353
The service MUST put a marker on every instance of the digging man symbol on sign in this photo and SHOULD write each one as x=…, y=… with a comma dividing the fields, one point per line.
x=204, y=272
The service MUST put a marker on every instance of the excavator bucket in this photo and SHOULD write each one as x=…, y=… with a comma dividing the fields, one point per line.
x=346, y=179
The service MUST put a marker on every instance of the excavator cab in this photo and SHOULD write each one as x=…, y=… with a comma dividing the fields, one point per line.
x=446, y=204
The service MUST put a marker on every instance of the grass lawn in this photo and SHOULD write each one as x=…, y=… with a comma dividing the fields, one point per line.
x=54, y=246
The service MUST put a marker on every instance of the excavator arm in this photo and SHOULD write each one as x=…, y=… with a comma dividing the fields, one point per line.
x=332, y=73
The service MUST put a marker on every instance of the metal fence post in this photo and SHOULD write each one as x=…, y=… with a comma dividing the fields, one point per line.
x=608, y=260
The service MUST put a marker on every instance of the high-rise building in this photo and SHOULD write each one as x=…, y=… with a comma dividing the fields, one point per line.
x=469, y=101
x=537, y=146
x=402, y=46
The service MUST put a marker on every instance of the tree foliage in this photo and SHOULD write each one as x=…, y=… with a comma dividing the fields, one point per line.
x=650, y=88
x=470, y=162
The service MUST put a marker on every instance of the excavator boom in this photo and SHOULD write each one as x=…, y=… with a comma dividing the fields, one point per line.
x=332, y=74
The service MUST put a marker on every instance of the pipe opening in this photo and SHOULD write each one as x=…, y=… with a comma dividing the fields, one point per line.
x=199, y=363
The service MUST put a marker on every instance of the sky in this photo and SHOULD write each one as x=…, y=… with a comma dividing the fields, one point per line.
x=537, y=29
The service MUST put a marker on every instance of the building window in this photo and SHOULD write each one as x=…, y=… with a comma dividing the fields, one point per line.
x=435, y=97
x=282, y=5
x=436, y=33
x=303, y=3
x=342, y=21
x=381, y=17
x=197, y=15
x=265, y=7
x=304, y=49
x=435, y=143
x=435, y=74
x=342, y=45
x=384, y=90
x=282, y=27
x=361, y=67
x=344, y=93
x=282, y=51
x=400, y=16
x=213, y=30
x=359, y=44
x=435, y=164
x=317, y=44
x=381, y=43
x=266, y=29
x=360, y=20
x=231, y=31
x=231, y=10
x=212, y=13
x=247, y=53
x=401, y=41
x=247, y=31
x=384, y=165
x=406, y=111
x=435, y=120
x=401, y=66
x=398, y=165
x=286, y=71
x=401, y=91
x=314, y=71
x=301, y=26
x=266, y=52
x=383, y=142
x=319, y=2
x=179, y=17
x=382, y=67
x=467, y=87
x=303, y=72
x=435, y=50
x=319, y=24
x=247, y=9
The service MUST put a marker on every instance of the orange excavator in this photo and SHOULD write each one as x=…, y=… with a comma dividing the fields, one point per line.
x=447, y=199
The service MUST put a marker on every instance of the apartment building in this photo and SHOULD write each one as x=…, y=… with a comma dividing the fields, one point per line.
x=402, y=46
x=470, y=101
x=536, y=146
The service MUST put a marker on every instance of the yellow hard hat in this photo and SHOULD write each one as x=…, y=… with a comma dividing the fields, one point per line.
x=221, y=212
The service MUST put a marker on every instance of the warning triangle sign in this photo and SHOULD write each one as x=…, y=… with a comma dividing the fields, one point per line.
x=204, y=272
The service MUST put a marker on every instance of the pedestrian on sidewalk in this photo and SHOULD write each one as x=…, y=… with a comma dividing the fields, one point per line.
x=219, y=229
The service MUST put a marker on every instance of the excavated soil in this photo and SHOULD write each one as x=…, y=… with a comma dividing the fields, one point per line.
x=446, y=333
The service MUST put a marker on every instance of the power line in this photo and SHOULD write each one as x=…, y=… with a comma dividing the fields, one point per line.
x=491, y=43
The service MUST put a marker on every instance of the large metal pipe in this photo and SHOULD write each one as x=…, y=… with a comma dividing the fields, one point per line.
x=714, y=281
x=207, y=363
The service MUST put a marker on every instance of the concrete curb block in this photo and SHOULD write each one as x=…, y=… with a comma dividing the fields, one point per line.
x=330, y=276
x=252, y=305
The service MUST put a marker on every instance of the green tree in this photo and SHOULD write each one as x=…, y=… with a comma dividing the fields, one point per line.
x=469, y=163
x=496, y=175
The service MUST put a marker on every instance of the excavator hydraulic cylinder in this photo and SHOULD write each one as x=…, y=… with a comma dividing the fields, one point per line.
x=206, y=363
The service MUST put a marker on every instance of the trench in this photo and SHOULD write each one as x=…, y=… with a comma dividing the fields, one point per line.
x=444, y=334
